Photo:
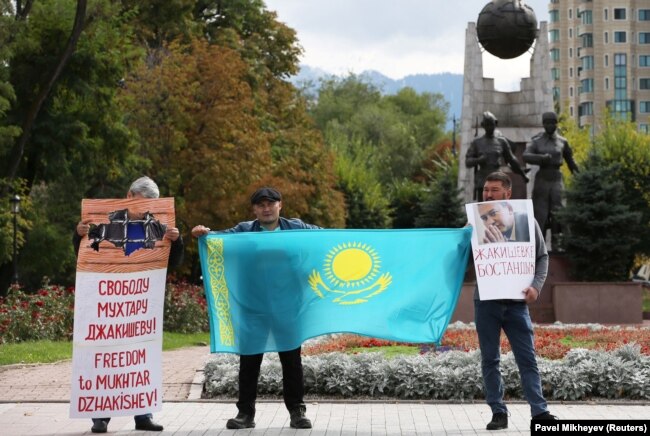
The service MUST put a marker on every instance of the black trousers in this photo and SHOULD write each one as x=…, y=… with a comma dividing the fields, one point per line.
x=292, y=380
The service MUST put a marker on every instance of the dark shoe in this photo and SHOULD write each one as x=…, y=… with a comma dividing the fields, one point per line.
x=241, y=421
x=546, y=416
x=147, y=424
x=99, y=426
x=298, y=419
x=499, y=422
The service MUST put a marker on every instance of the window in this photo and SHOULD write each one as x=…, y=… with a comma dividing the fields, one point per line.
x=555, y=73
x=607, y=60
x=571, y=91
x=587, y=17
x=570, y=33
x=605, y=14
x=643, y=128
x=570, y=14
x=556, y=93
x=644, y=83
x=587, y=62
x=571, y=110
x=554, y=35
x=606, y=38
x=620, y=82
x=606, y=83
x=644, y=14
x=644, y=37
x=644, y=60
x=587, y=85
x=570, y=52
x=555, y=54
x=644, y=107
x=619, y=13
x=571, y=72
x=587, y=40
x=554, y=16
x=620, y=37
x=586, y=109
x=620, y=59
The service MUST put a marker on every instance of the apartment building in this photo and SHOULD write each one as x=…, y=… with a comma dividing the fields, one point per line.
x=600, y=58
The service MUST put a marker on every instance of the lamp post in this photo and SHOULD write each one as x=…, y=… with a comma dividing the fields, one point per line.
x=15, y=208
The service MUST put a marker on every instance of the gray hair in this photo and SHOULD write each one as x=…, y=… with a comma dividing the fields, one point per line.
x=145, y=187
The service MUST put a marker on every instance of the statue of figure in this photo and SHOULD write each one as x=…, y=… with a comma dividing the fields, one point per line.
x=489, y=153
x=548, y=149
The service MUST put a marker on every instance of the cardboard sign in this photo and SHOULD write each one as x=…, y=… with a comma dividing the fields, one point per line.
x=118, y=321
x=503, y=247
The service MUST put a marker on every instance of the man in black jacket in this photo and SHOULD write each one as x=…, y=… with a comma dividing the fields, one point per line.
x=267, y=203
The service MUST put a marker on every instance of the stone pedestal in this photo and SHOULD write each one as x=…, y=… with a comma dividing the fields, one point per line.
x=598, y=302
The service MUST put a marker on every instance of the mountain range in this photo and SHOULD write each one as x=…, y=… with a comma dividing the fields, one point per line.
x=448, y=84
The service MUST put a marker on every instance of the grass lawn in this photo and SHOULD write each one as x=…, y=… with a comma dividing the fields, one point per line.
x=49, y=351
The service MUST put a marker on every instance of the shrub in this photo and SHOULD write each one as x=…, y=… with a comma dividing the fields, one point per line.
x=185, y=309
x=582, y=374
x=47, y=314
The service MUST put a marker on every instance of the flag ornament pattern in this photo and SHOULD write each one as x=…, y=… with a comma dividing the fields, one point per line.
x=220, y=291
x=271, y=291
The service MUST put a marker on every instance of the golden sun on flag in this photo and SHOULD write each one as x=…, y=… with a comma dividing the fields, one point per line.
x=351, y=264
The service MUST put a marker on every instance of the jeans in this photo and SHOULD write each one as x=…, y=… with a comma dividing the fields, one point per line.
x=293, y=387
x=491, y=316
x=137, y=418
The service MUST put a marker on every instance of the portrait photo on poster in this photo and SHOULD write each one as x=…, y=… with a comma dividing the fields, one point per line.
x=501, y=221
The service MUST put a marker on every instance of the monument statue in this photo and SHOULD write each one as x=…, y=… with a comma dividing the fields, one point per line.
x=506, y=28
x=548, y=150
x=489, y=153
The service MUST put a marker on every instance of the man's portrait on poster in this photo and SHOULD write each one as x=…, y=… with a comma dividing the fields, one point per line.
x=501, y=221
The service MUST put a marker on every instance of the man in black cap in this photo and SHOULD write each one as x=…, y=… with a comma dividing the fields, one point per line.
x=267, y=204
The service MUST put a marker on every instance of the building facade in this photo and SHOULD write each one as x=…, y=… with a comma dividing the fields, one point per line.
x=600, y=59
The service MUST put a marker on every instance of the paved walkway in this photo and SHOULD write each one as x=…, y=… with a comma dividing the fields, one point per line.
x=34, y=401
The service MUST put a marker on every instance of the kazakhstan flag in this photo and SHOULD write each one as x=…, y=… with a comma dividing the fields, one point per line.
x=270, y=291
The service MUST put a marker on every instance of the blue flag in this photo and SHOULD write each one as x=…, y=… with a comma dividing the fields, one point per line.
x=270, y=291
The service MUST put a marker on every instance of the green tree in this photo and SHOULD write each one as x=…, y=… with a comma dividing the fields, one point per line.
x=442, y=205
x=66, y=60
x=599, y=229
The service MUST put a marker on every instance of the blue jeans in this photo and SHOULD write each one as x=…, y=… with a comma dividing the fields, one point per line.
x=491, y=316
x=136, y=418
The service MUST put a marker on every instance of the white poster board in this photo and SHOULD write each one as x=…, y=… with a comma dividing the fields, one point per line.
x=503, y=247
x=118, y=320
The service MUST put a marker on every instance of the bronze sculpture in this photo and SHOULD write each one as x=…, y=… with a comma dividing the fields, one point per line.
x=548, y=150
x=489, y=153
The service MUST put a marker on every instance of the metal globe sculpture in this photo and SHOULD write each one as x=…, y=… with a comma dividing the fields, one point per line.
x=506, y=28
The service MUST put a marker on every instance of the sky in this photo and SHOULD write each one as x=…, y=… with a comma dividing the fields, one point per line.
x=395, y=37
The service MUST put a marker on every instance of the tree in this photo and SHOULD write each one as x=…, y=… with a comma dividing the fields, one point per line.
x=442, y=206
x=599, y=229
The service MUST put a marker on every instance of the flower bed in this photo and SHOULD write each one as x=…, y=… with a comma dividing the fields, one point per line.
x=551, y=341
x=614, y=367
x=49, y=313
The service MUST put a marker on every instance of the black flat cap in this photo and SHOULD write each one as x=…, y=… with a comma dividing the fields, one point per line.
x=266, y=193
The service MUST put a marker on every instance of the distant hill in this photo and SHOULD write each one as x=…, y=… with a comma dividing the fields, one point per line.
x=448, y=84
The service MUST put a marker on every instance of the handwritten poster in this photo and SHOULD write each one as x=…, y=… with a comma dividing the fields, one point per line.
x=503, y=247
x=119, y=301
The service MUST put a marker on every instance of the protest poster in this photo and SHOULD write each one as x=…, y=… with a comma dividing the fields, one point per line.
x=503, y=247
x=119, y=301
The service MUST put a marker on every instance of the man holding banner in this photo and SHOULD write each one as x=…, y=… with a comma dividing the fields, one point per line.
x=510, y=314
x=267, y=204
x=142, y=188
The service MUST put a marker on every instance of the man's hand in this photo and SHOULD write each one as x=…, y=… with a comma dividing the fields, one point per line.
x=493, y=234
x=530, y=294
x=200, y=231
x=172, y=234
x=83, y=227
